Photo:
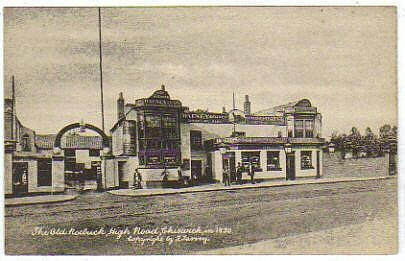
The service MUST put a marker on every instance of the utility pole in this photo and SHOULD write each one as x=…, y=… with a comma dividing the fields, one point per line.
x=233, y=111
x=101, y=69
x=12, y=107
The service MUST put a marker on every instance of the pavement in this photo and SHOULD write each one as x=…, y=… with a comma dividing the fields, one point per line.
x=167, y=191
x=373, y=237
x=38, y=200
x=219, y=187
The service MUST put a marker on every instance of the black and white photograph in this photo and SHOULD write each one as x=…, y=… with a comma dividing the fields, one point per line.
x=200, y=130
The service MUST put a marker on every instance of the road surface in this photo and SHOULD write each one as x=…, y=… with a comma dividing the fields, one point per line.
x=232, y=218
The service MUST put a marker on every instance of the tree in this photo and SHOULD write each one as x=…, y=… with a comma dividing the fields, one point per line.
x=385, y=131
x=369, y=135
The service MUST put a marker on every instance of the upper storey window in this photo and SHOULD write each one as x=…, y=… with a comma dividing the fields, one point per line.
x=26, y=143
x=304, y=128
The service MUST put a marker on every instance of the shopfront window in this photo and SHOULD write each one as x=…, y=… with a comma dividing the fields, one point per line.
x=306, y=160
x=273, y=160
x=251, y=157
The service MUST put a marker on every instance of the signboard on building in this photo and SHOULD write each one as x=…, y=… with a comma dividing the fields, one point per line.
x=158, y=102
x=223, y=118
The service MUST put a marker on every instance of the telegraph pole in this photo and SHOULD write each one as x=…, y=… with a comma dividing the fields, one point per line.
x=233, y=111
x=101, y=68
x=12, y=107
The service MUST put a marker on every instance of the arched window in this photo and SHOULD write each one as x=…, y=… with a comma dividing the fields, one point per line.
x=26, y=143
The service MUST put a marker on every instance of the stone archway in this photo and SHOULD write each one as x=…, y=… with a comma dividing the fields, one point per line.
x=59, y=157
x=58, y=139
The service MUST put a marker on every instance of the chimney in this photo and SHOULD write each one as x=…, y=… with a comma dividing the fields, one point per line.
x=223, y=109
x=163, y=87
x=120, y=107
x=246, y=105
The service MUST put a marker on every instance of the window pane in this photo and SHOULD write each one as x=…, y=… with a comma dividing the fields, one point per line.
x=273, y=160
x=306, y=160
x=252, y=157
x=196, y=140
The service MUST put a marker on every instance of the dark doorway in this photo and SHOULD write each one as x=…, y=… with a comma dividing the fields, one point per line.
x=196, y=170
x=208, y=170
x=290, y=166
x=122, y=183
x=20, y=178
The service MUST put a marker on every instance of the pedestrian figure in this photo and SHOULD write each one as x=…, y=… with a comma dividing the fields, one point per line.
x=225, y=177
x=165, y=175
x=239, y=174
x=137, y=179
x=180, y=176
x=252, y=173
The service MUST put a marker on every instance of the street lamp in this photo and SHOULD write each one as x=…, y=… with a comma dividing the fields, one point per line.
x=288, y=148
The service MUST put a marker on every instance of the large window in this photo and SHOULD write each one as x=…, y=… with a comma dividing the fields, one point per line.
x=153, y=126
x=251, y=157
x=273, y=160
x=304, y=128
x=196, y=140
x=299, y=128
x=306, y=160
x=159, y=142
x=44, y=177
x=169, y=127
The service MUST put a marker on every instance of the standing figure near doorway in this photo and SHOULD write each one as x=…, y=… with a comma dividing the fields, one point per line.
x=252, y=173
x=137, y=179
x=165, y=175
x=226, y=177
x=239, y=173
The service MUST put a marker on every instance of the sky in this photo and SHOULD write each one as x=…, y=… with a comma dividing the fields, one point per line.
x=343, y=59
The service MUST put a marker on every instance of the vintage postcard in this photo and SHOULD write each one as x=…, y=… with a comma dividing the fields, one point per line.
x=200, y=130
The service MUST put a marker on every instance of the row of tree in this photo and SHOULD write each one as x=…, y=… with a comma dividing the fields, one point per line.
x=368, y=144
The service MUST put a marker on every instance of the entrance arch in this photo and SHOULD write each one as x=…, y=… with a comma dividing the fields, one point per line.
x=58, y=139
x=99, y=169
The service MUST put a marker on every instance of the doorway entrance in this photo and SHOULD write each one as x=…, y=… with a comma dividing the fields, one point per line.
x=20, y=178
x=121, y=182
x=196, y=171
x=228, y=161
x=290, y=166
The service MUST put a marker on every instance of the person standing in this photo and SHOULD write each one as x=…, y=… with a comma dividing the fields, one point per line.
x=252, y=173
x=165, y=175
x=239, y=174
x=180, y=176
x=137, y=179
x=225, y=177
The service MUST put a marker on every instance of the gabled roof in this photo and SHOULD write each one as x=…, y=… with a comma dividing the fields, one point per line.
x=283, y=107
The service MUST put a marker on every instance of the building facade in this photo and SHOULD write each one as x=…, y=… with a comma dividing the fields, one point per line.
x=35, y=164
x=158, y=135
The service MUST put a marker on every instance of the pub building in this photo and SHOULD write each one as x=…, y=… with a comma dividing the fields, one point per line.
x=158, y=135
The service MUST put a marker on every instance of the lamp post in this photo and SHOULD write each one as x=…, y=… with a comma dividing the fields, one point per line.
x=288, y=151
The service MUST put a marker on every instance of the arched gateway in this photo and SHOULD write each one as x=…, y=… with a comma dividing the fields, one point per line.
x=58, y=139
x=82, y=158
